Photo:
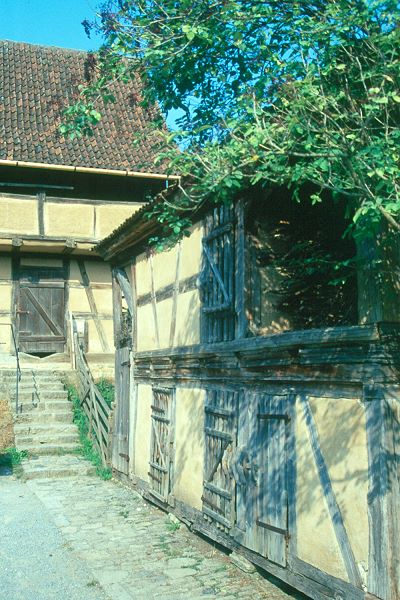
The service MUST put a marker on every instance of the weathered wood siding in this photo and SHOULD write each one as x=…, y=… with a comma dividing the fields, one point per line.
x=283, y=446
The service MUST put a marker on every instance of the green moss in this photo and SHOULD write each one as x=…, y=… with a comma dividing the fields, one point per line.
x=86, y=445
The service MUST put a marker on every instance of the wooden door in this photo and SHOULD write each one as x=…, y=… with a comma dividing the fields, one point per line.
x=262, y=490
x=220, y=444
x=41, y=315
x=162, y=443
x=120, y=436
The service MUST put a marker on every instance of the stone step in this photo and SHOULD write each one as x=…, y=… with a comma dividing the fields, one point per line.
x=27, y=408
x=22, y=440
x=42, y=428
x=50, y=449
x=42, y=393
x=45, y=416
x=56, y=466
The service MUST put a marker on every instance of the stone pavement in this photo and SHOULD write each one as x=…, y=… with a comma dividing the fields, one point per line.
x=35, y=563
x=134, y=551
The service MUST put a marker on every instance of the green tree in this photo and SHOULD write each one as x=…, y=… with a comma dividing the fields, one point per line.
x=279, y=92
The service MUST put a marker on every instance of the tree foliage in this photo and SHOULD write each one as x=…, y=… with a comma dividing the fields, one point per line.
x=281, y=92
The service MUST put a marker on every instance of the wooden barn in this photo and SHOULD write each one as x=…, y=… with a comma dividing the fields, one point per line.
x=58, y=197
x=258, y=402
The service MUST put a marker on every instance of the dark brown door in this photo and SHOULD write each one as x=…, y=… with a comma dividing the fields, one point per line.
x=41, y=314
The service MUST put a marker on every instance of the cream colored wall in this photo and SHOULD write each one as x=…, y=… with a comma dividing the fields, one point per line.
x=342, y=436
x=99, y=274
x=189, y=446
x=62, y=219
x=18, y=215
x=108, y=217
x=5, y=303
x=69, y=220
x=158, y=271
x=143, y=431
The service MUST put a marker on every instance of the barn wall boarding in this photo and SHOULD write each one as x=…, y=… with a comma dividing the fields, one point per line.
x=266, y=443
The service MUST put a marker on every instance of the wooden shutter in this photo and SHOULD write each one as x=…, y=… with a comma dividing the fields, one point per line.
x=220, y=441
x=162, y=443
x=218, y=276
x=272, y=512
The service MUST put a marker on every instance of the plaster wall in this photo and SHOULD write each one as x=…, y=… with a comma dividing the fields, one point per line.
x=109, y=217
x=160, y=324
x=69, y=220
x=18, y=215
x=341, y=429
x=189, y=446
x=345, y=451
x=316, y=540
x=62, y=218
x=6, y=287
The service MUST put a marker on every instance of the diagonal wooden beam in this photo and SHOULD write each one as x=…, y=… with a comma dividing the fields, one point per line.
x=52, y=326
x=333, y=506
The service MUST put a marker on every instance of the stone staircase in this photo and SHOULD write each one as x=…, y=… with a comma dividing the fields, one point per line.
x=43, y=425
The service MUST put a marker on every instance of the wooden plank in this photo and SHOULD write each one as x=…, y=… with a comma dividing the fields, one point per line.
x=217, y=490
x=134, y=307
x=125, y=285
x=218, y=434
x=379, y=582
x=42, y=312
x=240, y=284
x=216, y=273
x=40, y=199
x=334, y=510
x=92, y=304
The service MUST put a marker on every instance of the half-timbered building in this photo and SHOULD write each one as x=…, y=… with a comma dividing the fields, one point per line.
x=59, y=196
x=257, y=401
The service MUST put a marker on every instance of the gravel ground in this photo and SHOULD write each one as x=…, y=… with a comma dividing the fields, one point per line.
x=35, y=561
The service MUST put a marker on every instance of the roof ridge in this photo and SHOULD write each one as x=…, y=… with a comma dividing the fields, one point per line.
x=46, y=47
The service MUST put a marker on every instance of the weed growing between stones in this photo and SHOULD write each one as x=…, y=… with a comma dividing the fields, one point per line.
x=87, y=450
x=107, y=390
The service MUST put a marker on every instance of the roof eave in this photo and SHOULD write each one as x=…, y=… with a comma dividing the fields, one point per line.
x=93, y=170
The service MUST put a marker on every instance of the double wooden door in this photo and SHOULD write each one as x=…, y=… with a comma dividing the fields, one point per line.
x=246, y=471
x=41, y=314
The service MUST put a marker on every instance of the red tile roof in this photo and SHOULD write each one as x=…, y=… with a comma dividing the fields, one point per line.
x=37, y=83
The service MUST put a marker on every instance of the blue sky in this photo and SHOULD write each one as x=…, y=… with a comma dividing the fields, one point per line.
x=52, y=23
x=48, y=22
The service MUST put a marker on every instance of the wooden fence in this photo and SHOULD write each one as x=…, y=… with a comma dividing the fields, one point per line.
x=93, y=404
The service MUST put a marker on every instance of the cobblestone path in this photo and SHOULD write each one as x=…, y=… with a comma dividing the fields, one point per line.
x=135, y=552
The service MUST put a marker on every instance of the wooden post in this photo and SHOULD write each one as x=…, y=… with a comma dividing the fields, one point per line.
x=240, y=272
x=382, y=414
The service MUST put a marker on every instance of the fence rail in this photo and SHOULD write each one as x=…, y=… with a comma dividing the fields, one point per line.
x=93, y=404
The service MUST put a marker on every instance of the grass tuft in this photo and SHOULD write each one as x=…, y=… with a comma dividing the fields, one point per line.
x=87, y=450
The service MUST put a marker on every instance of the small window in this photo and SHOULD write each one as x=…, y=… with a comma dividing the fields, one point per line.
x=300, y=268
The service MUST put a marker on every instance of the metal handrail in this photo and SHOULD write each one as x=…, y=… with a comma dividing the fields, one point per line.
x=18, y=369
